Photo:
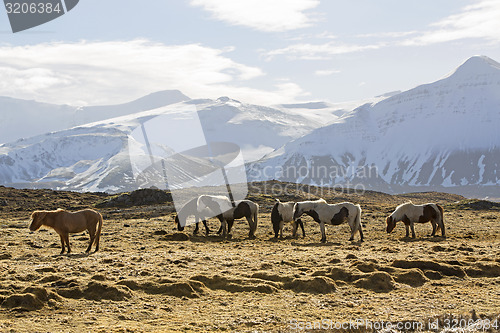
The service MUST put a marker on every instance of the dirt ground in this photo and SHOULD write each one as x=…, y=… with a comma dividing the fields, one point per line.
x=147, y=277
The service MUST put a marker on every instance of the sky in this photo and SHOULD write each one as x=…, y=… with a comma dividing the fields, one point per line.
x=257, y=51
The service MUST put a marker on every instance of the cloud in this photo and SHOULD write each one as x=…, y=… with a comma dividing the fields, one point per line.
x=480, y=20
x=262, y=15
x=326, y=72
x=323, y=51
x=96, y=73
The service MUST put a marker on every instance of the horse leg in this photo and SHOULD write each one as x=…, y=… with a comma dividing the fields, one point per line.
x=407, y=226
x=434, y=228
x=62, y=243
x=412, y=226
x=251, y=225
x=323, y=232
x=196, y=228
x=301, y=224
x=361, y=234
x=441, y=225
x=92, y=238
x=66, y=239
x=207, y=230
x=229, y=225
x=294, y=229
x=223, y=226
x=353, y=230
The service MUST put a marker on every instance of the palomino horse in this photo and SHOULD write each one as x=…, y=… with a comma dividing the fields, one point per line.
x=283, y=213
x=227, y=212
x=65, y=223
x=191, y=209
x=336, y=214
x=410, y=214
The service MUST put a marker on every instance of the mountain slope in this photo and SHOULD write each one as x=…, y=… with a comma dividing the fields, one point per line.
x=23, y=119
x=108, y=155
x=439, y=135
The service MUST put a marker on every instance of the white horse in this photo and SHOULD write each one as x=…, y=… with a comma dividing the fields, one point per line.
x=283, y=213
x=227, y=212
x=191, y=209
x=335, y=214
x=410, y=214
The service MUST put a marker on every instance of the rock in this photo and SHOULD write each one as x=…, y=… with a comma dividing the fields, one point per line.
x=139, y=197
x=380, y=282
x=313, y=285
x=413, y=277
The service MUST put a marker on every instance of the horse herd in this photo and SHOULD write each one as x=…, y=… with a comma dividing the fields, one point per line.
x=226, y=211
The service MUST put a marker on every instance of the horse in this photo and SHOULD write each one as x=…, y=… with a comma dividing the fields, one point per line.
x=334, y=214
x=410, y=214
x=65, y=223
x=189, y=209
x=227, y=212
x=282, y=213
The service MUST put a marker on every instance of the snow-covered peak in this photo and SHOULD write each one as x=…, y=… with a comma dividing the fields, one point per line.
x=476, y=66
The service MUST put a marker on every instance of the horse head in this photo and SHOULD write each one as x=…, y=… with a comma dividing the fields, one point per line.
x=391, y=223
x=178, y=224
x=37, y=220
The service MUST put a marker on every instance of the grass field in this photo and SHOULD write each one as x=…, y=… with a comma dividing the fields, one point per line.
x=147, y=277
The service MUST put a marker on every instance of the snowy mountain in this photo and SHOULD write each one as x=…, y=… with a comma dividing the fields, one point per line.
x=438, y=136
x=102, y=156
x=23, y=119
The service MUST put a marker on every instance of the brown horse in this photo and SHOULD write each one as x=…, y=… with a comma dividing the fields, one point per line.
x=65, y=223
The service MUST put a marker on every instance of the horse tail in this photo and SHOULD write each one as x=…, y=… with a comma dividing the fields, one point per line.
x=275, y=219
x=357, y=221
x=255, y=217
x=98, y=233
x=441, y=213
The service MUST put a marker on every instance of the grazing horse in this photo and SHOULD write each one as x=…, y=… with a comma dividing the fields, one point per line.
x=410, y=214
x=336, y=214
x=190, y=209
x=283, y=213
x=227, y=212
x=65, y=223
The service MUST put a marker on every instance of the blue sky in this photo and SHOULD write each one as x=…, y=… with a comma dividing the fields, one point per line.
x=260, y=51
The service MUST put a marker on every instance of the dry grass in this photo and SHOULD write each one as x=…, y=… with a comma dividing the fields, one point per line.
x=148, y=278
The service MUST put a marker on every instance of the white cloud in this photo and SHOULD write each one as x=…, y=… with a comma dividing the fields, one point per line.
x=99, y=73
x=480, y=20
x=307, y=51
x=326, y=72
x=263, y=15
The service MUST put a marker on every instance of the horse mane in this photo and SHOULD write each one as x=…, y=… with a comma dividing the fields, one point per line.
x=408, y=203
